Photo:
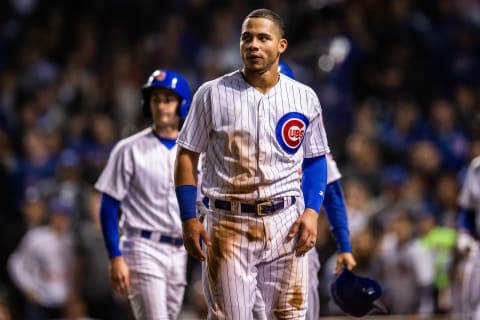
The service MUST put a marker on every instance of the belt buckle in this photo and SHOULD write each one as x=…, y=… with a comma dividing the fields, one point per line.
x=260, y=205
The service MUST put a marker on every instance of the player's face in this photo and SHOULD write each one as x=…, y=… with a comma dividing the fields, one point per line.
x=261, y=44
x=163, y=106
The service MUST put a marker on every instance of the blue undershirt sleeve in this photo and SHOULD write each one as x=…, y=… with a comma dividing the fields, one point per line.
x=334, y=205
x=109, y=209
x=466, y=221
x=314, y=181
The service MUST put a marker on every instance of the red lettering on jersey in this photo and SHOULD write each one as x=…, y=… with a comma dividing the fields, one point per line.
x=293, y=132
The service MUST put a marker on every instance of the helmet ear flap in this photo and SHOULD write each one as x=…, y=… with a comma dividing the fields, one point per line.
x=183, y=109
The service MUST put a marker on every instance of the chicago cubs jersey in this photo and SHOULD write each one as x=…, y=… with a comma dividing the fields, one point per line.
x=258, y=139
x=470, y=194
x=139, y=173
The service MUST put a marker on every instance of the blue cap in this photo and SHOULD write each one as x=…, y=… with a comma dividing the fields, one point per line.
x=355, y=295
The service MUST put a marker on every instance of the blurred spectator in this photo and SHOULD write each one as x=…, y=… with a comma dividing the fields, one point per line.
x=41, y=266
x=448, y=137
x=424, y=160
x=440, y=241
x=100, y=138
x=408, y=267
x=68, y=183
x=37, y=163
x=363, y=161
x=401, y=129
x=359, y=202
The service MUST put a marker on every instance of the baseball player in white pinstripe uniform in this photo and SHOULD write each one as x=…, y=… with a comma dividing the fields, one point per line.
x=257, y=129
x=469, y=202
x=150, y=262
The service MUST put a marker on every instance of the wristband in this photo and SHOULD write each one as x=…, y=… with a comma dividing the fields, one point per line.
x=187, y=196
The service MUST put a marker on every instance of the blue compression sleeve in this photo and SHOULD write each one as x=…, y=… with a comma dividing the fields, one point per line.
x=334, y=205
x=187, y=198
x=466, y=221
x=314, y=181
x=109, y=220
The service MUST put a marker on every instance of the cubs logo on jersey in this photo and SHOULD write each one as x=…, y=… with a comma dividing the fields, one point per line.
x=290, y=131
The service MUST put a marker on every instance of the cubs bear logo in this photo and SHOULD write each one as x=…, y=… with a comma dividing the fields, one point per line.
x=290, y=131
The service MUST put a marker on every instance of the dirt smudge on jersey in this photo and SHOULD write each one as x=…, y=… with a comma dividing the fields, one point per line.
x=256, y=231
x=243, y=158
x=292, y=296
x=296, y=299
x=223, y=236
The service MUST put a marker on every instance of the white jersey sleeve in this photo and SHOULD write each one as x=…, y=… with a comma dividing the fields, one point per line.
x=139, y=173
x=333, y=174
x=195, y=130
x=315, y=140
x=115, y=177
x=470, y=193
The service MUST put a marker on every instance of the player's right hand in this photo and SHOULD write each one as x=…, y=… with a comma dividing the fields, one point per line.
x=193, y=231
x=119, y=275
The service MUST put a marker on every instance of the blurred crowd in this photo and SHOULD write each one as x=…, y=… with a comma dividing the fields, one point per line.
x=399, y=83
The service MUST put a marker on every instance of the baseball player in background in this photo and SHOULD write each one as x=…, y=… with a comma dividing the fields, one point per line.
x=257, y=129
x=334, y=204
x=149, y=265
x=469, y=218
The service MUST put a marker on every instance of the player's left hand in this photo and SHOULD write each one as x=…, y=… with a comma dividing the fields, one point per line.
x=345, y=260
x=306, y=228
x=193, y=233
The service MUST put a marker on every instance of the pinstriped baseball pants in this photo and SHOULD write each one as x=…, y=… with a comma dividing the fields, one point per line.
x=249, y=251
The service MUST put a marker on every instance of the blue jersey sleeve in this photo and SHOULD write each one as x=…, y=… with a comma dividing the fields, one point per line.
x=314, y=181
x=466, y=221
x=334, y=205
x=109, y=209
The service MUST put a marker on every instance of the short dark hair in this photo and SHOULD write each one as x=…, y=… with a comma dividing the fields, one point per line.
x=270, y=15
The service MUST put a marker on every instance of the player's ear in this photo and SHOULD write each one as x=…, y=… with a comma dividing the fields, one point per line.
x=282, y=45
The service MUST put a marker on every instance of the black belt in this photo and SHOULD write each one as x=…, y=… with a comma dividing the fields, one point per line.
x=261, y=208
x=178, y=242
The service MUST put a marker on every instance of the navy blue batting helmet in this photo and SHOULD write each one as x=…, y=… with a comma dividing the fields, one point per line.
x=171, y=80
x=285, y=69
x=355, y=295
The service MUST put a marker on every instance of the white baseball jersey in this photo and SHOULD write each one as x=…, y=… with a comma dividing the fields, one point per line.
x=470, y=199
x=284, y=126
x=470, y=194
x=139, y=173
